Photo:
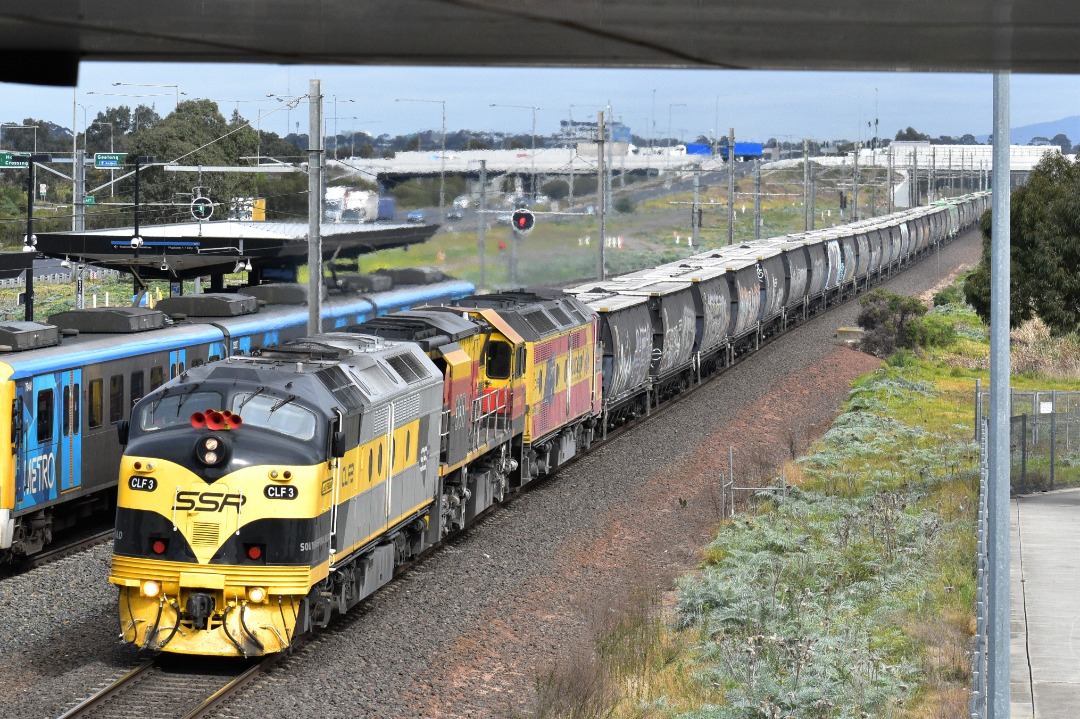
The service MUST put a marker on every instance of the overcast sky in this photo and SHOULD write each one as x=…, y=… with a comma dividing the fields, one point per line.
x=759, y=105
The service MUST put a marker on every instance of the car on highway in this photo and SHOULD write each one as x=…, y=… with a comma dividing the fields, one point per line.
x=415, y=216
x=454, y=215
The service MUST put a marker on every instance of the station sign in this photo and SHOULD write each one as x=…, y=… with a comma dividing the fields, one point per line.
x=6, y=161
x=106, y=160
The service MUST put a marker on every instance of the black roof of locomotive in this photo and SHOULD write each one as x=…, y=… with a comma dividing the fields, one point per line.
x=428, y=328
x=533, y=315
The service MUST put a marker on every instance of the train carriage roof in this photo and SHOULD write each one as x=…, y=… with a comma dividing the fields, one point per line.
x=534, y=315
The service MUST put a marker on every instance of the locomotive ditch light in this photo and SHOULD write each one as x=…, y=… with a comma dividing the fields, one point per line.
x=150, y=588
x=280, y=476
x=256, y=594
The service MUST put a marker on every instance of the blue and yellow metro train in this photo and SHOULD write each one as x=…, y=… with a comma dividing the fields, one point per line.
x=69, y=383
x=259, y=494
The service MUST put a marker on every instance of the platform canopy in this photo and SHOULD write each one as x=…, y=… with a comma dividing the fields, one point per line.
x=193, y=249
x=43, y=40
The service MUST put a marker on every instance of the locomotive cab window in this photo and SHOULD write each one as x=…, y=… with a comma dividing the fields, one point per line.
x=498, y=358
x=172, y=410
x=157, y=377
x=44, y=415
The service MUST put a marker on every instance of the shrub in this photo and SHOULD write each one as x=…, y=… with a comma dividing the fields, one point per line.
x=888, y=323
x=624, y=204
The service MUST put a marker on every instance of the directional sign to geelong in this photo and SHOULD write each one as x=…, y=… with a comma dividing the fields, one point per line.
x=108, y=159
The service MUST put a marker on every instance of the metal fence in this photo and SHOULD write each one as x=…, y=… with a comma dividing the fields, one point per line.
x=977, y=705
x=1044, y=446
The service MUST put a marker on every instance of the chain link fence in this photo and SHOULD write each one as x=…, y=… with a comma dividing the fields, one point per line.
x=1044, y=446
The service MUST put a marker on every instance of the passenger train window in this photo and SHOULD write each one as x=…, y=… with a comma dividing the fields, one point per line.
x=157, y=377
x=95, y=398
x=136, y=386
x=116, y=398
x=44, y=415
x=498, y=360
x=71, y=412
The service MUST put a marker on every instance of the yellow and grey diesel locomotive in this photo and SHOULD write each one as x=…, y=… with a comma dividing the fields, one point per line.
x=245, y=482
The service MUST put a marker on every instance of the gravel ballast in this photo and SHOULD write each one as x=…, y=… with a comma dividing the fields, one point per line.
x=467, y=633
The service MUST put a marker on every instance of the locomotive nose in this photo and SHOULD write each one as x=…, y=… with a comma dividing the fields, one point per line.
x=199, y=608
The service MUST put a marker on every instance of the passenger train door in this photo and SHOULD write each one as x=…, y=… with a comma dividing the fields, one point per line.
x=37, y=473
x=69, y=458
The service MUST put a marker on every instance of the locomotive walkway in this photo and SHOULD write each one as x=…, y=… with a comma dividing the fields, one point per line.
x=1045, y=597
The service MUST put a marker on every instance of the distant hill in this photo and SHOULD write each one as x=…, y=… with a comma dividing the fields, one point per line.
x=1070, y=126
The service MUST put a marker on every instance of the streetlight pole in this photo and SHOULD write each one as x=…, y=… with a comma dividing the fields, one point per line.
x=112, y=149
x=532, y=181
x=671, y=105
x=442, y=153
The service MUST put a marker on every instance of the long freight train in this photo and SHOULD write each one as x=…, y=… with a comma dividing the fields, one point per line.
x=68, y=383
x=262, y=493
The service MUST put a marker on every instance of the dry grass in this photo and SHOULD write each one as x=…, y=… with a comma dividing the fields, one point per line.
x=1035, y=352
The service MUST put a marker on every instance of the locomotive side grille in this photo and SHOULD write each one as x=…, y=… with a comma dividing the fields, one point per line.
x=539, y=321
x=204, y=534
x=561, y=317
x=382, y=416
x=408, y=367
x=406, y=410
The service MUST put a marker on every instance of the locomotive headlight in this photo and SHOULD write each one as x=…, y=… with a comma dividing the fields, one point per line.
x=211, y=450
x=256, y=594
x=150, y=588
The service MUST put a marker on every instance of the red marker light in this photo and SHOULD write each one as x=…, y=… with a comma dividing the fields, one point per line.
x=254, y=551
x=158, y=546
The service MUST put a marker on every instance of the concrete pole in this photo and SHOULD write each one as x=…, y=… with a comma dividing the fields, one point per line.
x=78, y=202
x=602, y=200
x=998, y=691
x=757, y=199
x=481, y=227
x=855, y=186
x=694, y=224
x=315, y=153
x=888, y=183
x=731, y=187
x=805, y=185
x=813, y=199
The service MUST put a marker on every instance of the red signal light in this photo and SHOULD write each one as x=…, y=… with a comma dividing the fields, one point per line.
x=523, y=220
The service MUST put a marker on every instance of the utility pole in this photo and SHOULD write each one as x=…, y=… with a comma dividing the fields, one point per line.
x=757, y=199
x=695, y=213
x=813, y=199
x=888, y=183
x=78, y=202
x=805, y=185
x=315, y=201
x=481, y=227
x=855, y=186
x=600, y=272
x=915, y=174
x=731, y=186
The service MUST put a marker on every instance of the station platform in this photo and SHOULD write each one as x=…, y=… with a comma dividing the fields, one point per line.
x=1044, y=651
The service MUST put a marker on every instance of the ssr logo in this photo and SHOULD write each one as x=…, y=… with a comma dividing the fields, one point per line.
x=208, y=501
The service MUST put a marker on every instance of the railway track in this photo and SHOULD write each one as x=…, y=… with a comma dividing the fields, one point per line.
x=63, y=548
x=167, y=687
